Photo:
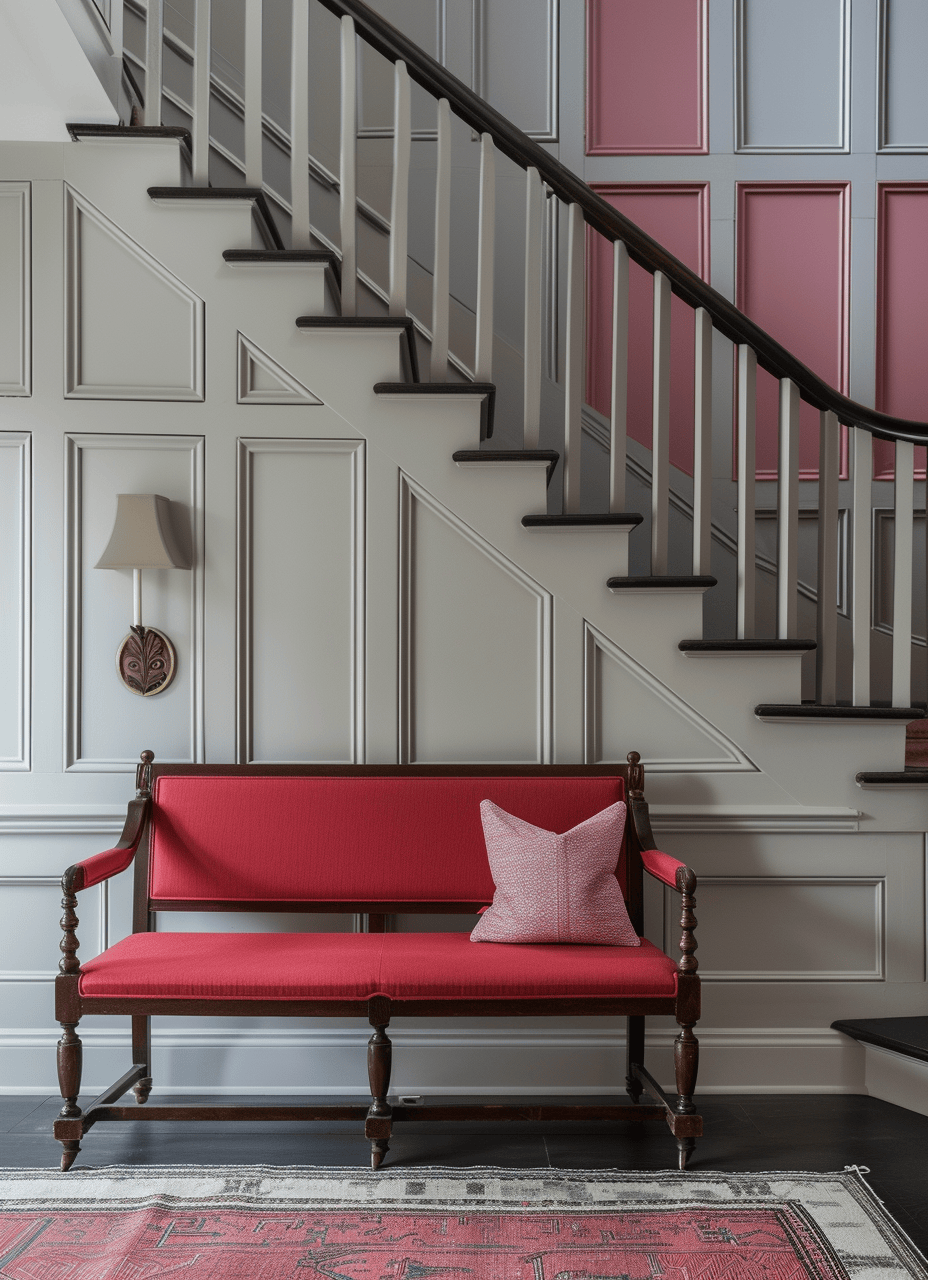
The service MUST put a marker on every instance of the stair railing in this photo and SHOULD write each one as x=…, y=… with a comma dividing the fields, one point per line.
x=588, y=214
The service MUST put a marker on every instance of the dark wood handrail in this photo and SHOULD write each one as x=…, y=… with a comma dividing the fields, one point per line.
x=734, y=324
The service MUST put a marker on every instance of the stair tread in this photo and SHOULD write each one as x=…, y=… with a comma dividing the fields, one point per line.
x=548, y=456
x=254, y=194
x=400, y=323
x=908, y=1036
x=129, y=132
x=817, y=711
x=746, y=646
x=625, y=519
x=663, y=580
x=908, y=777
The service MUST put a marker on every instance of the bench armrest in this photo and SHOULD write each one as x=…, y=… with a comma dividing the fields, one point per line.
x=101, y=866
x=671, y=871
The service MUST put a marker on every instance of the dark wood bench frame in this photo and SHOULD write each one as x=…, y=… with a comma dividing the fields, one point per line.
x=679, y=1112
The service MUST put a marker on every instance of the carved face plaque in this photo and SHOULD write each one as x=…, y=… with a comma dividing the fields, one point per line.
x=146, y=661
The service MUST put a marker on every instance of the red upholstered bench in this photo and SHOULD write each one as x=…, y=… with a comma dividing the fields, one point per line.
x=374, y=841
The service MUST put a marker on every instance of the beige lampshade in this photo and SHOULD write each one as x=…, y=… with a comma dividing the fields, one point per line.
x=142, y=536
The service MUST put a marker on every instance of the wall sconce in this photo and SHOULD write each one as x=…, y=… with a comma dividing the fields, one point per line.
x=143, y=538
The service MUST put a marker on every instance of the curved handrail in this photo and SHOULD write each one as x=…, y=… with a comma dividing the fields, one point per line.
x=734, y=324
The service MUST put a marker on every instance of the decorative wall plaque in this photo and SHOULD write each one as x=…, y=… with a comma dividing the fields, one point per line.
x=146, y=661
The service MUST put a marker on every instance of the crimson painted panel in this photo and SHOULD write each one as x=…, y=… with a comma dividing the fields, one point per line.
x=646, y=84
x=902, y=313
x=793, y=268
x=677, y=216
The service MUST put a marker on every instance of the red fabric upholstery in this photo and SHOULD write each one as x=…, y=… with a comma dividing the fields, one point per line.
x=347, y=839
x=355, y=966
x=103, y=865
x=662, y=866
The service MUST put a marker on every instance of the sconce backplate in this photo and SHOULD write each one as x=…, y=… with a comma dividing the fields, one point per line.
x=146, y=661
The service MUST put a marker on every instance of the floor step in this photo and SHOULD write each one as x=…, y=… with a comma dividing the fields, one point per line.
x=811, y=712
x=680, y=584
x=419, y=389
x=208, y=195
x=908, y=1036
x=623, y=520
x=402, y=326
x=284, y=258
x=508, y=457
x=717, y=648
x=908, y=777
x=135, y=133
x=895, y=1052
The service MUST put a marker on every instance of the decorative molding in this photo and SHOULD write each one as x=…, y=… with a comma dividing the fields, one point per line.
x=876, y=974
x=729, y=758
x=61, y=819
x=247, y=448
x=787, y=819
x=410, y=494
x=78, y=208
x=287, y=388
x=75, y=446
x=21, y=193
x=844, y=92
x=21, y=604
x=548, y=132
x=882, y=110
x=14, y=976
x=881, y=591
x=807, y=589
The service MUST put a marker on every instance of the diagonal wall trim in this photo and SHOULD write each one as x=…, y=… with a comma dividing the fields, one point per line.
x=288, y=389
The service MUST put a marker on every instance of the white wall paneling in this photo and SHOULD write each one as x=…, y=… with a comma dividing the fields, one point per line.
x=15, y=288
x=902, y=107
x=15, y=593
x=884, y=563
x=628, y=708
x=142, y=341
x=476, y=648
x=30, y=907
x=107, y=725
x=261, y=380
x=792, y=75
x=301, y=600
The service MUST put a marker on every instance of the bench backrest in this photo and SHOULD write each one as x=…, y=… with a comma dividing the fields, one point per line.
x=350, y=839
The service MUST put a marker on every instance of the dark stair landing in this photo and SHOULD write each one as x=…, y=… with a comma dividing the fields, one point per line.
x=905, y=1036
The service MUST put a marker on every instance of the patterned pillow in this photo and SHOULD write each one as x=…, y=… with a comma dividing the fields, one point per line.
x=555, y=888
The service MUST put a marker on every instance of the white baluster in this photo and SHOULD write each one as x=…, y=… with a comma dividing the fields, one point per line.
x=299, y=126
x=618, y=423
x=399, y=202
x=747, y=413
x=826, y=655
x=573, y=379
x=486, y=242
x=201, y=69
x=702, y=446
x=254, y=129
x=788, y=512
x=660, y=425
x=534, y=229
x=442, y=277
x=902, y=573
x=861, y=553
x=154, y=38
x=348, y=199
x=117, y=13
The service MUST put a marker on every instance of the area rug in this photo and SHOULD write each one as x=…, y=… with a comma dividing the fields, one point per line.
x=268, y=1223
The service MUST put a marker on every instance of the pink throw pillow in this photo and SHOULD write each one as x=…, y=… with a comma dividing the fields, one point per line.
x=555, y=888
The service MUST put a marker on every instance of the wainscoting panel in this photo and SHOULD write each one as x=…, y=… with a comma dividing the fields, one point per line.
x=646, y=77
x=903, y=91
x=15, y=593
x=30, y=907
x=677, y=215
x=793, y=243
x=261, y=380
x=106, y=724
x=902, y=312
x=142, y=341
x=792, y=69
x=475, y=644
x=301, y=600
x=15, y=288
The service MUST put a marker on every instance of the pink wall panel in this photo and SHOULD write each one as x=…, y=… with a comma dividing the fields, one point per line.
x=793, y=269
x=902, y=312
x=646, y=81
x=676, y=215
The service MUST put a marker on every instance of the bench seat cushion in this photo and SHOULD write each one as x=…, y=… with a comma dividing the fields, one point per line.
x=355, y=966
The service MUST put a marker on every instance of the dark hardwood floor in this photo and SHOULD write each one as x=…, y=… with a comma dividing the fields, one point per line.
x=821, y=1132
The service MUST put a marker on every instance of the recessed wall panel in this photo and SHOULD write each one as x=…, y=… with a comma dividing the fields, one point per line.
x=646, y=77
x=793, y=268
x=902, y=313
x=15, y=289
x=792, y=75
x=676, y=215
x=475, y=641
x=106, y=724
x=15, y=612
x=301, y=603
x=903, y=119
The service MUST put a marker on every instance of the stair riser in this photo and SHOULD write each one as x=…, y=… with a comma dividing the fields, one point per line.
x=895, y=1078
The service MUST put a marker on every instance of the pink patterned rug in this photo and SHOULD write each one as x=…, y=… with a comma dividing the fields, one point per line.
x=268, y=1223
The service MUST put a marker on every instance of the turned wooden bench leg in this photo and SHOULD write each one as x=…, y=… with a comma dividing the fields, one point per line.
x=70, y=1063
x=141, y=1055
x=379, y=1122
x=634, y=1056
x=686, y=1064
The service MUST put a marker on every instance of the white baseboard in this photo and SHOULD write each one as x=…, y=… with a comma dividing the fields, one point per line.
x=896, y=1078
